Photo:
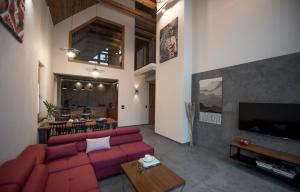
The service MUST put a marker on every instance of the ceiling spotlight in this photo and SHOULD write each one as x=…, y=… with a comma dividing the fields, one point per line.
x=163, y=10
x=71, y=53
x=95, y=73
x=78, y=86
x=89, y=86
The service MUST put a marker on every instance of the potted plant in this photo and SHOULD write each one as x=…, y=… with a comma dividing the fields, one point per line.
x=51, y=111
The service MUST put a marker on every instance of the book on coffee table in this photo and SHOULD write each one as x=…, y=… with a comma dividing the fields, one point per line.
x=149, y=164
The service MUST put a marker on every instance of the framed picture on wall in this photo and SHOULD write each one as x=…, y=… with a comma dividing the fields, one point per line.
x=211, y=100
x=12, y=17
x=169, y=41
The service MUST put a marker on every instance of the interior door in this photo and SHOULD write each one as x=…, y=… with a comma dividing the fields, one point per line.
x=151, y=103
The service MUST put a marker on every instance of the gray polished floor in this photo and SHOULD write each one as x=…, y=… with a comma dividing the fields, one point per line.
x=203, y=170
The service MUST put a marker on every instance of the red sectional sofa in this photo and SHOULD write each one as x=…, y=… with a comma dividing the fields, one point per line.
x=63, y=165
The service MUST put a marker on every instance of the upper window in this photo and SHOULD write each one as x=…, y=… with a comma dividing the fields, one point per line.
x=100, y=42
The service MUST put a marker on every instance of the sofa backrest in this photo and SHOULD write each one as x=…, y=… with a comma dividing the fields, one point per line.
x=36, y=150
x=127, y=130
x=124, y=139
x=117, y=137
x=14, y=173
x=99, y=134
x=63, y=139
x=79, y=139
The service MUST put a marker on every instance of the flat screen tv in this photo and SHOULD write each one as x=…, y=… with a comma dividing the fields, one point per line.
x=282, y=120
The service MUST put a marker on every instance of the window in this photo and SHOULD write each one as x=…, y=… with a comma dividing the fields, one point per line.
x=100, y=42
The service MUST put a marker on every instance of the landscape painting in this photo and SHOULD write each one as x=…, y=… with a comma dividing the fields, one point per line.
x=210, y=100
x=169, y=41
x=12, y=17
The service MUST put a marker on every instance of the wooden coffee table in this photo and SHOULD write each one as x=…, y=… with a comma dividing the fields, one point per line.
x=155, y=179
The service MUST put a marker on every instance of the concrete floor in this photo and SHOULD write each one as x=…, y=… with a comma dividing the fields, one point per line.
x=203, y=170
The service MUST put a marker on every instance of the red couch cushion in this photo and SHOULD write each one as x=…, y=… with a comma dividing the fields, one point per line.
x=60, y=151
x=99, y=134
x=62, y=139
x=136, y=150
x=81, y=146
x=108, y=171
x=94, y=190
x=17, y=171
x=78, y=179
x=68, y=162
x=37, y=180
x=10, y=188
x=37, y=150
x=127, y=130
x=109, y=157
x=123, y=139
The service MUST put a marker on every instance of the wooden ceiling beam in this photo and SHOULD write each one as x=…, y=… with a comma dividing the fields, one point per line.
x=147, y=3
x=47, y=2
x=62, y=9
x=143, y=28
x=131, y=11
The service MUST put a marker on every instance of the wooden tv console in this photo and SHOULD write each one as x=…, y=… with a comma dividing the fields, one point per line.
x=283, y=157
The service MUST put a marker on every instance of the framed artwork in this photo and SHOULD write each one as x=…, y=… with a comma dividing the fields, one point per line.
x=169, y=41
x=211, y=100
x=12, y=17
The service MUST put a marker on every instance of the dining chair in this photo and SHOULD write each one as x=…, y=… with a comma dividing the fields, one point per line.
x=114, y=125
x=59, y=128
x=100, y=125
x=78, y=127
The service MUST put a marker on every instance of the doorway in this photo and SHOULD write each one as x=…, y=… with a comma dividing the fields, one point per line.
x=152, y=103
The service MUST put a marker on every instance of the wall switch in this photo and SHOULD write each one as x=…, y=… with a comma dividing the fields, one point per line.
x=122, y=106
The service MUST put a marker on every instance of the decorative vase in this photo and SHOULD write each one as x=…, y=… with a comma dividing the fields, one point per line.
x=190, y=113
x=51, y=119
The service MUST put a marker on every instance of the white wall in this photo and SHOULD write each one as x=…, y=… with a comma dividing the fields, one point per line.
x=231, y=32
x=19, y=79
x=135, y=112
x=173, y=77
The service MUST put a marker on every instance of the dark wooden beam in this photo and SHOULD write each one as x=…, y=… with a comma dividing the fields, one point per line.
x=131, y=11
x=143, y=28
x=62, y=9
x=147, y=3
x=47, y=2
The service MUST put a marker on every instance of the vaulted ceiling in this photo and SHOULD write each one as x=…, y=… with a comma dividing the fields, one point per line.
x=62, y=9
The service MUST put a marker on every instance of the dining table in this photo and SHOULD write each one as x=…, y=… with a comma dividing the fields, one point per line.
x=45, y=129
